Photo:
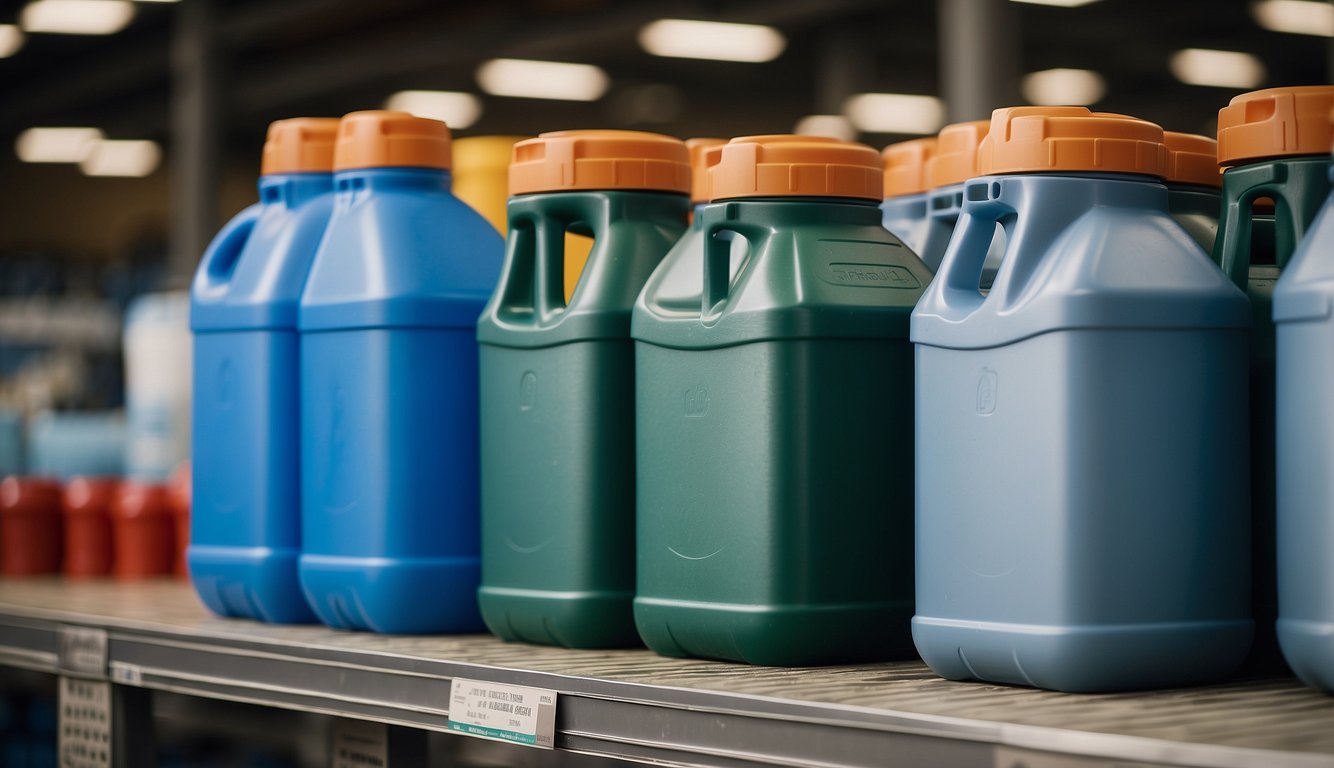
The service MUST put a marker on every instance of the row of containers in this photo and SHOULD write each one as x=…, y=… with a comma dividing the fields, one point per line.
x=1013, y=417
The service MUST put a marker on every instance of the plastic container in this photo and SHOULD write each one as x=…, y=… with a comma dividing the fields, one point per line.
x=1194, y=185
x=558, y=384
x=247, y=447
x=1273, y=144
x=86, y=503
x=157, y=385
x=388, y=322
x=64, y=444
x=1081, y=434
x=774, y=521
x=30, y=538
x=906, y=185
x=143, y=533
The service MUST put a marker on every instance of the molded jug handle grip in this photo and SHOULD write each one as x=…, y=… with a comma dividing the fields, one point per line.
x=718, y=262
x=224, y=250
x=1292, y=213
x=961, y=267
x=532, y=281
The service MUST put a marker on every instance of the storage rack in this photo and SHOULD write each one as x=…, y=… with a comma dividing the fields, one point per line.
x=634, y=705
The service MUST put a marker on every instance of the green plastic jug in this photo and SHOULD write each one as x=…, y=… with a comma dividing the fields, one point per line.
x=1274, y=144
x=557, y=384
x=774, y=390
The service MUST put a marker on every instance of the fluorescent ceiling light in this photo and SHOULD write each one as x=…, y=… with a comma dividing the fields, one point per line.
x=714, y=40
x=77, y=17
x=1058, y=3
x=156, y=1
x=895, y=113
x=56, y=145
x=1300, y=17
x=1079, y=87
x=1223, y=69
x=542, y=79
x=833, y=126
x=11, y=40
x=122, y=158
x=454, y=108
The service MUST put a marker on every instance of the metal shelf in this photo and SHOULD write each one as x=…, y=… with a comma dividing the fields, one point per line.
x=635, y=705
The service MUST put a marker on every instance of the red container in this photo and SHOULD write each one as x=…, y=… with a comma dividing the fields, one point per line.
x=143, y=533
x=86, y=502
x=178, y=498
x=30, y=541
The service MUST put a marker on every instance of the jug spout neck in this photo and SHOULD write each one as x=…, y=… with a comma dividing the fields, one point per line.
x=388, y=179
x=293, y=188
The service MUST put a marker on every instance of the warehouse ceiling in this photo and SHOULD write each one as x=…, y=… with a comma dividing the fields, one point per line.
x=279, y=58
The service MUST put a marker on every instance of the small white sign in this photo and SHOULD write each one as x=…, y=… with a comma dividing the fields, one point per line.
x=83, y=650
x=360, y=744
x=126, y=674
x=512, y=713
x=85, y=723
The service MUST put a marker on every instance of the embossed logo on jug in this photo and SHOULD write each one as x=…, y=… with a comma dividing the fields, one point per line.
x=986, y=392
x=871, y=275
x=697, y=402
x=527, y=391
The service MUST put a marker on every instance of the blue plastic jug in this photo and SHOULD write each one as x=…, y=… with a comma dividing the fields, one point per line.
x=905, y=205
x=1082, y=517
x=1194, y=195
x=245, y=532
x=1304, y=325
x=388, y=320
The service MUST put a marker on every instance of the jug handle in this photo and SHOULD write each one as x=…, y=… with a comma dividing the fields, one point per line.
x=961, y=267
x=225, y=249
x=718, y=262
x=533, y=278
x=1232, y=251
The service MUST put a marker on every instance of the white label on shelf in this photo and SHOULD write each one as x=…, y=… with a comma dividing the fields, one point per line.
x=85, y=723
x=360, y=744
x=83, y=650
x=126, y=674
x=510, y=713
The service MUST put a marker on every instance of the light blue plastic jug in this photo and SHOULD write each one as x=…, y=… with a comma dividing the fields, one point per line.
x=954, y=162
x=388, y=320
x=1304, y=325
x=66, y=444
x=1082, y=518
x=245, y=530
x=905, y=205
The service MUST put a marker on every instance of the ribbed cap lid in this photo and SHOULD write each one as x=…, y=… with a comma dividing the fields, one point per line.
x=699, y=168
x=570, y=160
x=300, y=145
x=790, y=165
x=1040, y=139
x=1192, y=159
x=1276, y=122
x=385, y=139
x=905, y=166
x=956, y=153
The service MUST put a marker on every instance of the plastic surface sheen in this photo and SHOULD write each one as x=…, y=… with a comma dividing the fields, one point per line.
x=1196, y=209
x=558, y=418
x=247, y=529
x=1298, y=187
x=774, y=420
x=906, y=218
x=1081, y=480
x=389, y=467
x=1304, y=326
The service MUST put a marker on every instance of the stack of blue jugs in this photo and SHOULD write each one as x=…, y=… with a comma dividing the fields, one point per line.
x=336, y=384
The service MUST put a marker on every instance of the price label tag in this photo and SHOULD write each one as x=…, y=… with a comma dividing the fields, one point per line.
x=510, y=713
x=83, y=650
x=85, y=723
x=360, y=744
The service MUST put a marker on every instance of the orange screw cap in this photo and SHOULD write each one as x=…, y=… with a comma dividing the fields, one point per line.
x=788, y=165
x=1043, y=139
x=905, y=166
x=1192, y=159
x=571, y=160
x=957, y=149
x=300, y=145
x=385, y=139
x=1276, y=122
x=699, y=167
